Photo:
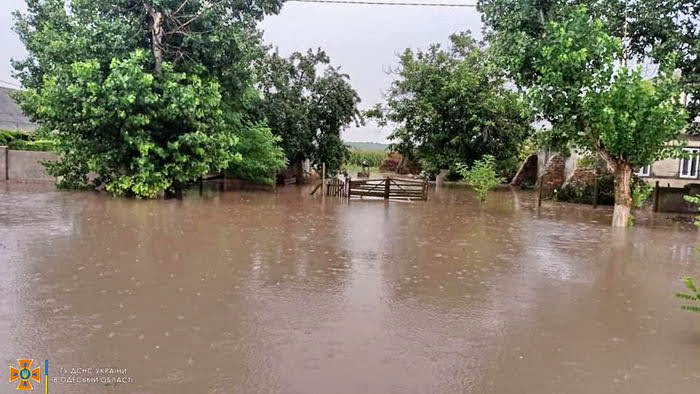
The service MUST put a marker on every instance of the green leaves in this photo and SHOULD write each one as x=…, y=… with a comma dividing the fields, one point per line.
x=637, y=120
x=482, y=176
x=449, y=106
x=92, y=85
x=308, y=103
x=694, y=295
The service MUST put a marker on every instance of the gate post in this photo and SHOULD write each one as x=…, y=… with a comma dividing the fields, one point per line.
x=656, y=197
x=386, y=188
x=4, y=163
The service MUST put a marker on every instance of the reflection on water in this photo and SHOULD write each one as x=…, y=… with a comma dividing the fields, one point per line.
x=283, y=292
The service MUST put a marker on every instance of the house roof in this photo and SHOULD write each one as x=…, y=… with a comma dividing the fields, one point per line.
x=11, y=115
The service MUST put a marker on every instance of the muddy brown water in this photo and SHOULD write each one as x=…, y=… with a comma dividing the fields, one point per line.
x=246, y=292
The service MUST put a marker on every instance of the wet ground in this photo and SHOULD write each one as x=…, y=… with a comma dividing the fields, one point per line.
x=252, y=292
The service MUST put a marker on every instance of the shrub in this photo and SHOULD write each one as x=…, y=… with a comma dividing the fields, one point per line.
x=641, y=191
x=7, y=136
x=18, y=140
x=38, y=145
x=580, y=190
x=482, y=177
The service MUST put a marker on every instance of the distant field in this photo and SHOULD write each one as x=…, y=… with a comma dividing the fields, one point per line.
x=367, y=146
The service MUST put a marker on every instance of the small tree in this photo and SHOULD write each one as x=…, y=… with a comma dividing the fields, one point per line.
x=482, y=176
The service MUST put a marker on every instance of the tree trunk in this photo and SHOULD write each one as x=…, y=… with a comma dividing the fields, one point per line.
x=298, y=168
x=623, y=195
x=156, y=27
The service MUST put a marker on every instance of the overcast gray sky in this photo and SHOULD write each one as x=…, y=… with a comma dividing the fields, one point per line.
x=363, y=39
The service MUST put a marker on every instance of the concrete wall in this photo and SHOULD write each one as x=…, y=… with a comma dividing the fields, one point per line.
x=671, y=199
x=21, y=165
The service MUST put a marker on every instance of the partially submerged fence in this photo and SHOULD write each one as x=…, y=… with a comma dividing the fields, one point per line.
x=389, y=188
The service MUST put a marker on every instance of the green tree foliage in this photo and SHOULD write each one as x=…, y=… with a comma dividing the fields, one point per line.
x=482, y=175
x=147, y=94
x=575, y=82
x=641, y=191
x=648, y=29
x=449, y=107
x=308, y=103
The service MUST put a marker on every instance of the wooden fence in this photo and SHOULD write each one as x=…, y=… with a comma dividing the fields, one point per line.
x=389, y=188
x=336, y=188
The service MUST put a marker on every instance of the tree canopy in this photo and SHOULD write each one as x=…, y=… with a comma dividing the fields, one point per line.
x=659, y=31
x=450, y=106
x=577, y=80
x=308, y=103
x=146, y=94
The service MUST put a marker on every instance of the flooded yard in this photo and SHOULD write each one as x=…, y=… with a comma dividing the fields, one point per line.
x=282, y=292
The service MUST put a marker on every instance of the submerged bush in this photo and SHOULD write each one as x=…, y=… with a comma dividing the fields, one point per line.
x=641, y=191
x=482, y=176
x=581, y=191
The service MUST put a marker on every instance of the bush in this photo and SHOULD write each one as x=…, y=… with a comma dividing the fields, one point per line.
x=641, y=191
x=7, y=136
x=37, y=146
x=18, y=140
x=580, y=191
x=482, y=177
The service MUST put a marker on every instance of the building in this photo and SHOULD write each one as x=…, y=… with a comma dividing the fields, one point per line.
x=11, y=115
x=676, y=173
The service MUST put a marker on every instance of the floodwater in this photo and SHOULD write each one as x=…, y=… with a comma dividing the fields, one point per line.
x=247, y=292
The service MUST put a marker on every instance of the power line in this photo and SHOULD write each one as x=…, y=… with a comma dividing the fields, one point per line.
x=361, y=2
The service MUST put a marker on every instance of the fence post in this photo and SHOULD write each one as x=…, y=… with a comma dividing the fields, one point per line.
x=595, y=190
x=4, y=163
x=386, y=188
x=656, y=197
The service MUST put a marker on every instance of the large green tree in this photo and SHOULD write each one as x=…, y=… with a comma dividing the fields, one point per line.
x=308, y=103
x=146, y=94
x=648, y=30
x=449, y=107
x=577, y=80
